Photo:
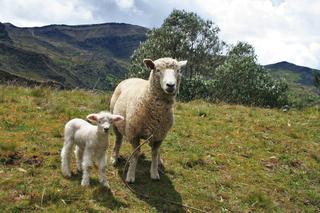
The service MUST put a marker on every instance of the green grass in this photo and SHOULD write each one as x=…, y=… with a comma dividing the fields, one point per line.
x=219, y=158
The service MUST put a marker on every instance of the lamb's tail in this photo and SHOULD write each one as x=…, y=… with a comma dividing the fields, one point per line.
x=67, y=149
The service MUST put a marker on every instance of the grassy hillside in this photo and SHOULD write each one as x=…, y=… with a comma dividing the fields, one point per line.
x=302, y=91
x=85, y=56
x=218, y=158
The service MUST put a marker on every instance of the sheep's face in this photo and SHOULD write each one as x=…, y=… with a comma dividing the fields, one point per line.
x=104, y=120
x=167, y=70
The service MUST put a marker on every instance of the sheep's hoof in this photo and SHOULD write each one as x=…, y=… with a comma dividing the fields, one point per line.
x=105, y=183
x=155, y=176
x=130, y=179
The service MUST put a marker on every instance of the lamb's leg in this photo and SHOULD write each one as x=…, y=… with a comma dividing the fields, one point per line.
x=102, y=170
x=79, y=157
x=155, y=149
x=66, y=155
x=117, y=146
x=86, y=167
x=133, y=162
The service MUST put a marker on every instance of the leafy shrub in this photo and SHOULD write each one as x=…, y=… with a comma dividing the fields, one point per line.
x=241, y=80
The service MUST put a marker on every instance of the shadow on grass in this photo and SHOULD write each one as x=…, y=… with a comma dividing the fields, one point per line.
x=101, y=194
x=155, y=191
x=105, y=197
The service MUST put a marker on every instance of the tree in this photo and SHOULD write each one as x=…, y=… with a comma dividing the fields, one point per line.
x=184, y=36
x=241, y=80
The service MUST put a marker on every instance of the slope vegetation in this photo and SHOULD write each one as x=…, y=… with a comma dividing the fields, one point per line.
x=219, y=158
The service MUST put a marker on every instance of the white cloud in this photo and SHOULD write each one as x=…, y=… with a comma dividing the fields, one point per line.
x=42, y=12
x=285, y=30
x=125, y=4
x=278, y=29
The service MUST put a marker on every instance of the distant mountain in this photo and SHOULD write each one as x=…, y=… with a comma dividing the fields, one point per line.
x=87, y=56
x=294, y=73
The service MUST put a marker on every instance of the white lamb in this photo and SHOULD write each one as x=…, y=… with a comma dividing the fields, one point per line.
x=91, y=144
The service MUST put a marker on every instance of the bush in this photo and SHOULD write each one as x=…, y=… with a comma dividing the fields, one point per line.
x=241, y=80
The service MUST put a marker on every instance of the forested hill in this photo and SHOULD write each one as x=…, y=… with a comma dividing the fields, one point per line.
x=88, y=56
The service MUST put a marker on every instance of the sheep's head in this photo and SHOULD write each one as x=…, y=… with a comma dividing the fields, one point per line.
x=104, y=120
x=167, y=72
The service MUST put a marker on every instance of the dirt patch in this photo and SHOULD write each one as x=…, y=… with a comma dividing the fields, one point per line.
x=17, y=158
x=11, y=159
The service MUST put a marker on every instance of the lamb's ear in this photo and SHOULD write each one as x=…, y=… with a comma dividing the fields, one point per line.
x=92, y=117
x=182, y=63
x=117, y=118
x=149, y=63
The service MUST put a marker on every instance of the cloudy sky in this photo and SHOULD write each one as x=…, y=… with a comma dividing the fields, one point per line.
x=278, y=29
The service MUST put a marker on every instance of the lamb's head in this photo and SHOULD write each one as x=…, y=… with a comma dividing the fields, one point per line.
x=167, y=72
x=104, y=120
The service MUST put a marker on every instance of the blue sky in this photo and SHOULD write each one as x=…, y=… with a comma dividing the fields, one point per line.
x=278, y=29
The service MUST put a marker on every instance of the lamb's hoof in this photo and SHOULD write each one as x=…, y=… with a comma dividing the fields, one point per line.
x=155, y=176
x=130, y=179
x=66, y=174
x=85, y=183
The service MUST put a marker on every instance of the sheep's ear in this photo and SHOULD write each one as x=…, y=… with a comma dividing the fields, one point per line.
x=149, y=63
x=92, y=117
x=117, y=118
x=182, y=63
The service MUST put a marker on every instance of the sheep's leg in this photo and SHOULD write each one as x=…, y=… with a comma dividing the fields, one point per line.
x=155, y=150
x=86, y=167
x=117, y=146
x=79, y=157
x=65, y=156
x=102, y=170
x=160, y=161
x=133, y=162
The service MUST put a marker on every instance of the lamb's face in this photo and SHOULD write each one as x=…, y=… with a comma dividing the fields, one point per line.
x=168, y=72
x=104, y=120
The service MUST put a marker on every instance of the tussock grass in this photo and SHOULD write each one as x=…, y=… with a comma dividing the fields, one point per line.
x=219, y=158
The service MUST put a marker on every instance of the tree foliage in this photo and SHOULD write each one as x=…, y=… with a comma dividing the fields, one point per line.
x=241, y=80
x=233, y=78
x=184, y=36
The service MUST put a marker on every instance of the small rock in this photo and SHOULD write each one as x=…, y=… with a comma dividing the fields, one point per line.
x=21, y=170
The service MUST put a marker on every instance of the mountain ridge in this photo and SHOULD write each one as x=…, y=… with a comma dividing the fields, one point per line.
x=304, y=75
x=80, y=55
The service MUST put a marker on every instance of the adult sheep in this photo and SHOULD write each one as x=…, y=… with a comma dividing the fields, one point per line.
x=146, y=106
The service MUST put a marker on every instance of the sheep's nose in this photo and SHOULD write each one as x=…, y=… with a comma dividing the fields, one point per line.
x=170, y=85
x=105, y=129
